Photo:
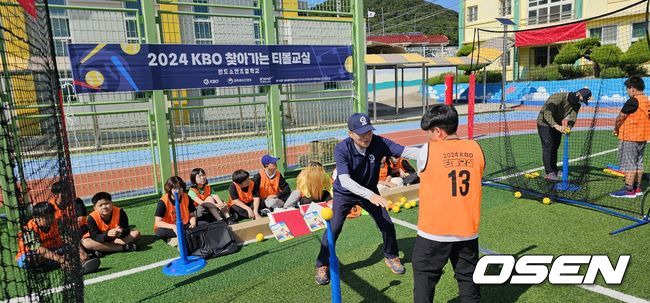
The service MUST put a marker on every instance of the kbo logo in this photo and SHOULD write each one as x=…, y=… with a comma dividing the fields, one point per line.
x=533, y=269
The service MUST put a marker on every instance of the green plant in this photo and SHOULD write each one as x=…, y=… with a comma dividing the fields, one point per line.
x=637, y=54
x=568, y=54
x=612, y=72
x=465, y=50
x=572, y=72
x=607, y=55
x=587, y=44
x=440, y=79
x=547, y=73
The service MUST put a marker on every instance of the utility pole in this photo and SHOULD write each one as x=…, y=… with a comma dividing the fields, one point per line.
x=415, y=18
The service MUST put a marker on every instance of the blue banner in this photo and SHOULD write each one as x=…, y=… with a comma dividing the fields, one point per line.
x=140, y=67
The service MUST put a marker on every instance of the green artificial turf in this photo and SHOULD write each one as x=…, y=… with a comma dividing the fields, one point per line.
x=284, y=272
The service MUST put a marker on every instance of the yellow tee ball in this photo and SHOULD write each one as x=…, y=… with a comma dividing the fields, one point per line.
x=546, y=201
x=517, y=195
x=408, y=205
x=402, y=199
x=259, y=237
x=396, y=209
x=326, y=213
x=389, y=204
x=414, y=204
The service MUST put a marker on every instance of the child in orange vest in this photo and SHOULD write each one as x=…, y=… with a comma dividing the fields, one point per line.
x=451, y=170
x=633, y=130
x=165, y=216
x=41, y=247
x=79, y=208
x=208, y=205
x=108, y=227
x=241, y=200
x=271, y=187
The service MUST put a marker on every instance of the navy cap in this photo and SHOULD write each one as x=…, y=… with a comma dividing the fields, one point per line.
x=268, y=159
x=586, y=94
x=359, y=123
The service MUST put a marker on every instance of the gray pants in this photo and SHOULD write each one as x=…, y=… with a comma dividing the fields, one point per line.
x=630, y=155
x=292, y=200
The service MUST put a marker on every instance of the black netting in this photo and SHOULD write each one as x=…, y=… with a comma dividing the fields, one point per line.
x=615, y=48
x=33, y=157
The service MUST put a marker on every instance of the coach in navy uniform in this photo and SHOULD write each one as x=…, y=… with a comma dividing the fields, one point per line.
x=358, y=160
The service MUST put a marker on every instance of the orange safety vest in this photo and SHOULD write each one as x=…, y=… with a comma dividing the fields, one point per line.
x=50, y=239
x=101, y=225
x=636, y=126
x=58, y=213
x=207, y=191
x=450, y=195
x=170, y=210
x=244, y=196
x=267, y=186
x=383, y=171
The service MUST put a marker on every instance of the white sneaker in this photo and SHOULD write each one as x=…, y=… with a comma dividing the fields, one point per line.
x=173, y=242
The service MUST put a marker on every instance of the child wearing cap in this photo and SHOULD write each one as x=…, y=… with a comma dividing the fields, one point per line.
x=633, y=130
x=270, y=186
x=108, y=228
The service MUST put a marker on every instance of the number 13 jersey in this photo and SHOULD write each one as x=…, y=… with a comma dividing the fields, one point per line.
x=450, y=191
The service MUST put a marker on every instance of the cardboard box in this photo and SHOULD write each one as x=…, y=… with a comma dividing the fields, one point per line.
x=247, y=231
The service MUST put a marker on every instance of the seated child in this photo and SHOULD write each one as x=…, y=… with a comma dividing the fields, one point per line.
x=395, y=172
x=241, y=196
x=41, y=247
x=209, y=207
x=313, y=184
x=80, y=211
x=165, y=216
x=108, y=228
x=270, y=186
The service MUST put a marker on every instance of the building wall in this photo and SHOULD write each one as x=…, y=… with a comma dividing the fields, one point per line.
x=488, y=10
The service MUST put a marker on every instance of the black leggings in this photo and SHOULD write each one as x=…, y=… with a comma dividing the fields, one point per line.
x=551, y=139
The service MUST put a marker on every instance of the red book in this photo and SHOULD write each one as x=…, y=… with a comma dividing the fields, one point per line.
x=293, y=219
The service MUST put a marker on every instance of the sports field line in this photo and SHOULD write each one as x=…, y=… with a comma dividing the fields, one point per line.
x=593, y=288
x=558, y=163
x=112, y=276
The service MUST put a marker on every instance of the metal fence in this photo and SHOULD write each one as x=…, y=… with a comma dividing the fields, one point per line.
x=114, y=137
x=314, y=115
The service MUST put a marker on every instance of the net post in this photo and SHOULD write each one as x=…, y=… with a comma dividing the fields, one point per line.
x=471, y=100
x=449, y=89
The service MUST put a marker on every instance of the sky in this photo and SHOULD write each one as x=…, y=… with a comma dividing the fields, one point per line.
x=451, y=4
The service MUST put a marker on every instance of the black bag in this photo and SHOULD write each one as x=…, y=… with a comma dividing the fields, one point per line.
x=210, y=240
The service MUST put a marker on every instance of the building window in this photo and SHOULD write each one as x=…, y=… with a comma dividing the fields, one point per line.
x=202, y=24
x=545, y=11
x=208, y=92
x=545, y=55
x=60, y=28
x=638, y=31
x=505, y=7
x=606, y=34
x=130, y=23
x=472, y=13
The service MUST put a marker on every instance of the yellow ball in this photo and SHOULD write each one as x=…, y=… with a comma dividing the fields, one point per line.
x=94, y=78
x=402, y=199
x=389, y=204
x=408, y=205
x=546, y=201
x=517, y=194
x=396, y=209
x=414, y=204
x=327, y=213
x=567, y=130
x=259, y=237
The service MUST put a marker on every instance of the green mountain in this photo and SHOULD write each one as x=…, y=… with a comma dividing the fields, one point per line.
x=402, y=16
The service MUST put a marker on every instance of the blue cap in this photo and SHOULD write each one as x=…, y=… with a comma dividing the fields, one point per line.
x=360, y=123
x=268, y=159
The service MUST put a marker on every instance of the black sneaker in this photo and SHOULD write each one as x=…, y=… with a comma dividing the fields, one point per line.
x=230, y=221
x=90, y=265
x=130, y=247
x=99, y=254
x=265, y=212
